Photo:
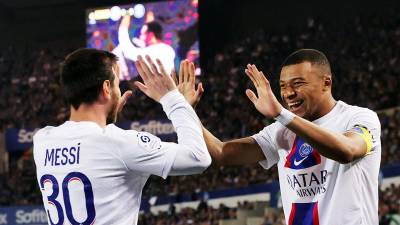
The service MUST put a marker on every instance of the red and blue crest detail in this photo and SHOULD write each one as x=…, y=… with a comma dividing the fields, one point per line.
x=304, y=214
x=302, y=155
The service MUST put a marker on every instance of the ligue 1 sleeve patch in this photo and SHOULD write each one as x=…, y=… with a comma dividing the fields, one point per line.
x=364, y=134
x=148, y=141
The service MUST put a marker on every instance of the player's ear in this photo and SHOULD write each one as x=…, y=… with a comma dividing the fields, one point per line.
x=106, y=90
x=327, y=82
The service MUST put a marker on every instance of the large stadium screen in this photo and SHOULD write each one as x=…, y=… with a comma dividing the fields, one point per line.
x=165, y=30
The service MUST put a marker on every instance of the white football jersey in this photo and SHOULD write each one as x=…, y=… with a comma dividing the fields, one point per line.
x=317, y=190
x=94, y=175
x=91, y=166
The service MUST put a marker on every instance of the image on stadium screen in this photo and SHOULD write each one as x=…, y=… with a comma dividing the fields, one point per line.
x=164, y=30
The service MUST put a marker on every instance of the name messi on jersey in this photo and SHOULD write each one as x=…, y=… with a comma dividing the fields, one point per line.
x=62, y=156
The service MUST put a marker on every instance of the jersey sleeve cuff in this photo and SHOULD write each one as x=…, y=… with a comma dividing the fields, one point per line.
x=271, y=158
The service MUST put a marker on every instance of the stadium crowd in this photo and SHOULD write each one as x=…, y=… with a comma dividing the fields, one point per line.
x=389, y=205
x=365, y=61
x=207, y=215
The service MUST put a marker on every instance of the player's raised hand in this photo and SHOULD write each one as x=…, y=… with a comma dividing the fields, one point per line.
x=122, y=101
x=266, y=102
x=187, y=83
x=126, y=21
x=156, y=82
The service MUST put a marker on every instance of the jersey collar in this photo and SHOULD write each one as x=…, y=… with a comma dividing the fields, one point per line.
x=330, y=114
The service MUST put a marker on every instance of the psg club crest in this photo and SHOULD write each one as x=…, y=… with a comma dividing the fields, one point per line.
x=302, y=155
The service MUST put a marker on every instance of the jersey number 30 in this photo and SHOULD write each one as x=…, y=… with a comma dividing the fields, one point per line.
x=87, y=187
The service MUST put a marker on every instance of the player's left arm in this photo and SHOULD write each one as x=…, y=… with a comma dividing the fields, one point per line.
x=190, y=153
x=342, y=147
x=345, y=147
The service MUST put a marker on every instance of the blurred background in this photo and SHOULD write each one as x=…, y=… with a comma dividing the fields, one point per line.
x=360, y=38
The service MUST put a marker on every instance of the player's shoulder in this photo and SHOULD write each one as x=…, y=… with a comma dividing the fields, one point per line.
x=69, y=129
x=275, y=128
x=354, y=109
x=42, y=132
x=121, y=135
x=113, y=131
x=354, y=112
x=166, y=47
x=132, y=138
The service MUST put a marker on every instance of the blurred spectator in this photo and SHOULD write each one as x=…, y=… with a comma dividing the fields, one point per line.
x=389, y=205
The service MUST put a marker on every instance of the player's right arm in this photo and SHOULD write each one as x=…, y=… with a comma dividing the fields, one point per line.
x=241, y=151
x=190, y=155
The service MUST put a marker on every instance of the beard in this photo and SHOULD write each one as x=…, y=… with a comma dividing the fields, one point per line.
x=113, y=114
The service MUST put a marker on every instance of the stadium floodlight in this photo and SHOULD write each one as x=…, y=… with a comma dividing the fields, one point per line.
x=130, y=11
x=123, y=12
x=91, y=16
x=139, y=11
x=115, y=13
x=102, y=14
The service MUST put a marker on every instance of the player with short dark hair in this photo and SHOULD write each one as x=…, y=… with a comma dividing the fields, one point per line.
x=156, y=29
x=327, y=152
x=313, y=56
x=97, y=67
x=89, y=170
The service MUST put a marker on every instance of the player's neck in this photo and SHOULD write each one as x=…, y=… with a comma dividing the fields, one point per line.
x=328, y=105
x=91, y=113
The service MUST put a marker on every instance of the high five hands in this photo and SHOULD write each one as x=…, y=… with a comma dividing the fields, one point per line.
x=186, y=83
x=266, y=102
x=156, y=81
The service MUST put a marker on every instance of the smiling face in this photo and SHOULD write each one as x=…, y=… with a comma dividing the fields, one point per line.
x=305, y=89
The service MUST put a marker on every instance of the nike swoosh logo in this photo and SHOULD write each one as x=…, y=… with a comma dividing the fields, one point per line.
x=296, y=163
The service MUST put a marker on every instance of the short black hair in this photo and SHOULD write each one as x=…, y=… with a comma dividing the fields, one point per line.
x=83, y=73
x=156, y=28
x=313, y=56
